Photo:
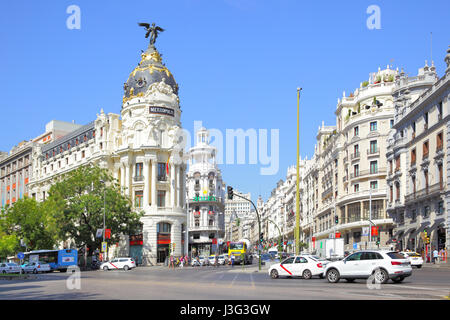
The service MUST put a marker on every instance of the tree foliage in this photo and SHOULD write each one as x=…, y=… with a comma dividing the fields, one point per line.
x=79, y=200
x=30, y=221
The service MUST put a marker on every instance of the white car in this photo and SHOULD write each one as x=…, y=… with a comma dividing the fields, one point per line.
x=203, y=261
x=383, y=265
x=10, y=267
x=296, y=266
x=414, y=258
x=221, y=259
x=36, y=267
x=118, y=263
x=323, y=261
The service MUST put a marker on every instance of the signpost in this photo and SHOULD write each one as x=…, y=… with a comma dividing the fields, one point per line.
x=104, y=246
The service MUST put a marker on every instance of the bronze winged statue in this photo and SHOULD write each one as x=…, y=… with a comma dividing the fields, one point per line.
x=152, y=31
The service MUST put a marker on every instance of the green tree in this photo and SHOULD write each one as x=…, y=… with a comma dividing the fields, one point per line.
x=9, y=244
x=31, y=222
x=78, y=201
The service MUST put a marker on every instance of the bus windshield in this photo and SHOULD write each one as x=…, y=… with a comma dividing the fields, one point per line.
x=236, y=246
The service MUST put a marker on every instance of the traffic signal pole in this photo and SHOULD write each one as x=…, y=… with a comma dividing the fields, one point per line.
x=230, y=191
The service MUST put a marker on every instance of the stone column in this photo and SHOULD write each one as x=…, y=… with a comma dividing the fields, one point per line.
x=127, y=179
x=177, y=186
x=172, y=184
x=146, y=182
x=122, y=175
x=154, y=178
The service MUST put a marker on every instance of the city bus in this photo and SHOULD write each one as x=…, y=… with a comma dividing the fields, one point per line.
x=237, y=249
x=57, y=259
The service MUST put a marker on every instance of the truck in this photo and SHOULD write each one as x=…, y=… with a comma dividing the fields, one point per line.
x=241, y=252
x=327, y=250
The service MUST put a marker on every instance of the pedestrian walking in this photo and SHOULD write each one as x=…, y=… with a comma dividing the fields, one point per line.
x=232, y=260
x=435, y=255
x=171, y=263
x=216, y=260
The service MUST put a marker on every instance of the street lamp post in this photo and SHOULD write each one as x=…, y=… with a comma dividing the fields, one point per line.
x=297, y=198
x=104, y=209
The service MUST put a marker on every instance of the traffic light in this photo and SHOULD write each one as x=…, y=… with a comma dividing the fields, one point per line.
x=336, y=219
x=261, y=237
x=230, y=192
x=378, y=242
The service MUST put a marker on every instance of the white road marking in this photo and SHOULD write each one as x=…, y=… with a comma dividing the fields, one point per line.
x=232, y=282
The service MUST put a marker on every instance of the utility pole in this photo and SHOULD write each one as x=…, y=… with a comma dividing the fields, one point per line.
x=297, y=198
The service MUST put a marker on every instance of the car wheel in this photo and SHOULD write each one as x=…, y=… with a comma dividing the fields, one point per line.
x=274, y=274
x=307, y=274
x=398, y=280
x=381, y=276
x=105, y=268
x=126, y=268
x=333, y=276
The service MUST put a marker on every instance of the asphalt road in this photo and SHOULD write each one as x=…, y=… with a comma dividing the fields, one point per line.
x=223, y=283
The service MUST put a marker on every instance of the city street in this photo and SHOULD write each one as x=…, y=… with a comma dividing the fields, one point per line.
x=223, y=283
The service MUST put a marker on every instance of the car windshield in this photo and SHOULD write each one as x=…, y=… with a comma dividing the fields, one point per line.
x=395, y=255
x=237, y=246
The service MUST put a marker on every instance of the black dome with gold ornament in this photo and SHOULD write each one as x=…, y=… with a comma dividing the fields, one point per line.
x=150, y=70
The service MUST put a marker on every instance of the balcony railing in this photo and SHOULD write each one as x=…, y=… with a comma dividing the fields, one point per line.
x=138, y=178
x=355, y=155
x=373, y=152
x=430, y=190
x=367, y=172
x=162, y=178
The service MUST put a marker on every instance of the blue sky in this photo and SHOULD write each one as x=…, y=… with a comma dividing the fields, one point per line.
x=238, y=63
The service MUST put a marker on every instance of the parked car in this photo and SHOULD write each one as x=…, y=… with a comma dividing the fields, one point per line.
x=203, y=261
x=221, y=259
x=296, y=266
x=384, y=265
x=36, y=267
x=10, y=267
x=212, y=259
x=118, y=263
x=414, y=258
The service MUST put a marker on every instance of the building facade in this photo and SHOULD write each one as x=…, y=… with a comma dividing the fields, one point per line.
x=139, y=147
x=206, y=198
x=418, y=161
x=236, y=208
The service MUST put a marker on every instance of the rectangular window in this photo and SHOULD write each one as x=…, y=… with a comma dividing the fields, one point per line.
x=426, y=211
x=162, y=171
x=439, y=111
x=397, y=163
x=356, y=170
x=356, y=187
x=440, y=207
x=83, y=154
x=373, y=126
x=138, y=199
x=413, y=157
x=392, y=123
x=139, y=168
x=373, y=146
x=374, y=185
x=373, y=166
x=439, y=141
x=356, y=131
x=161, y=198
x=425, y=149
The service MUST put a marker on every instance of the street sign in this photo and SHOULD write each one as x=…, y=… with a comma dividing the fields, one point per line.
x=104, y=246
x=20, y=255
x=99, y=233
x=365, y=231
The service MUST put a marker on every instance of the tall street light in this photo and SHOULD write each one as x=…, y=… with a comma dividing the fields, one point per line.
x=297, y=198
x=104, y=207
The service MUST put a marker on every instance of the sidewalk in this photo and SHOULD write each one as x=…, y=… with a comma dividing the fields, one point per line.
x=443, y=265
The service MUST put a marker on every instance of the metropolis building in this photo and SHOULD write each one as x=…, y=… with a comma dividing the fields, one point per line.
x=139, y=148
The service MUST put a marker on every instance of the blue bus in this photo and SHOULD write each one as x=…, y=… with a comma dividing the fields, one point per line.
x=57, y=259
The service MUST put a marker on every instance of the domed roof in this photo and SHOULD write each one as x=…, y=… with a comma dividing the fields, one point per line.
x=150, y=70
